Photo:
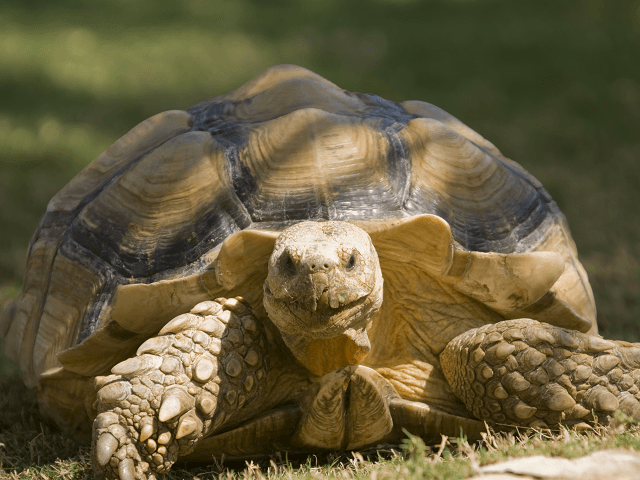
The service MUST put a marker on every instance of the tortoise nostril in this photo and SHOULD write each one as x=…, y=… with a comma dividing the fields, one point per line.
x=326, y=266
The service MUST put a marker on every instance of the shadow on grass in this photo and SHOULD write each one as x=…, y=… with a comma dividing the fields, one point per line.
x=30, y=444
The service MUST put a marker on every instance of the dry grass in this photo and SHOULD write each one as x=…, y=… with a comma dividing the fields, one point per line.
x=31, y=449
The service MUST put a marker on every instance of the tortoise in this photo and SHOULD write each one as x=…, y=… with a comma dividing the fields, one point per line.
x=295, y=267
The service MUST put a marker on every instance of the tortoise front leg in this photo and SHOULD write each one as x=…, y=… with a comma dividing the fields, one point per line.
x=182, y=385
x=525, y=372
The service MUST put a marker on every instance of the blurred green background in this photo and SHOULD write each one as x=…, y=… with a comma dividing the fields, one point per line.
x=554, y=84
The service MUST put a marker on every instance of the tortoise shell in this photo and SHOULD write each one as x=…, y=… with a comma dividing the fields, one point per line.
x=150, y=214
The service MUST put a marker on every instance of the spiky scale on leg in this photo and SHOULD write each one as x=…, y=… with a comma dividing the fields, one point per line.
x=159, y=404
x=542, y=375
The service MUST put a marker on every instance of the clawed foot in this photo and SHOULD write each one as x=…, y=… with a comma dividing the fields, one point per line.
x=182, y=385
x=529, y=373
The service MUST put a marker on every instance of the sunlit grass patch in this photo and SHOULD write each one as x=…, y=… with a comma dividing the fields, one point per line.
x=134, y=64
x=31, y=448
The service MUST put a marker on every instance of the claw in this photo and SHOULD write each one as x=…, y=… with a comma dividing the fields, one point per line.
x=148, y=428
x=600, y=399
x=114, y=392
x=155, y=345
x=126, y=469
x=189, y=423
x=207, y=308
x=175, y=402
x=105, y=448
x=137, y=365
x=105, y=419
x=181, y=322
x=556, y=398
x=597, y=344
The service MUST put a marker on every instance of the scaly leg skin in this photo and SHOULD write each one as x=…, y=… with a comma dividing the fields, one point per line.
x=524, y=372
x=181, y=385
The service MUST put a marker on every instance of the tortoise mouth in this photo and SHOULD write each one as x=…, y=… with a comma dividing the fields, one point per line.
x=293, y=316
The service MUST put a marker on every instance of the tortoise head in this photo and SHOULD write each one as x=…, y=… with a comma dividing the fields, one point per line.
x=323, y=290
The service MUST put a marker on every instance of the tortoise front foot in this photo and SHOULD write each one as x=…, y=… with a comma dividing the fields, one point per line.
x=182, y=385
x=529, y=373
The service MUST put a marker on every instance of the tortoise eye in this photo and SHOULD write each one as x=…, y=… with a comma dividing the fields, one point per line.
x=351, y=263
x=289, y=266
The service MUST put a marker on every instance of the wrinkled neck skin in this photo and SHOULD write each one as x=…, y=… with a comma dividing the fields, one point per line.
x=323, y=291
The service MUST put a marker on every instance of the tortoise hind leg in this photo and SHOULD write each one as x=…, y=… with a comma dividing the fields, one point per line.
x=182, y=385
x=530, y=373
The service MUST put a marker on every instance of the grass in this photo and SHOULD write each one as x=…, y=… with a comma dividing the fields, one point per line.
x=30, y=448
x=555, y=85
